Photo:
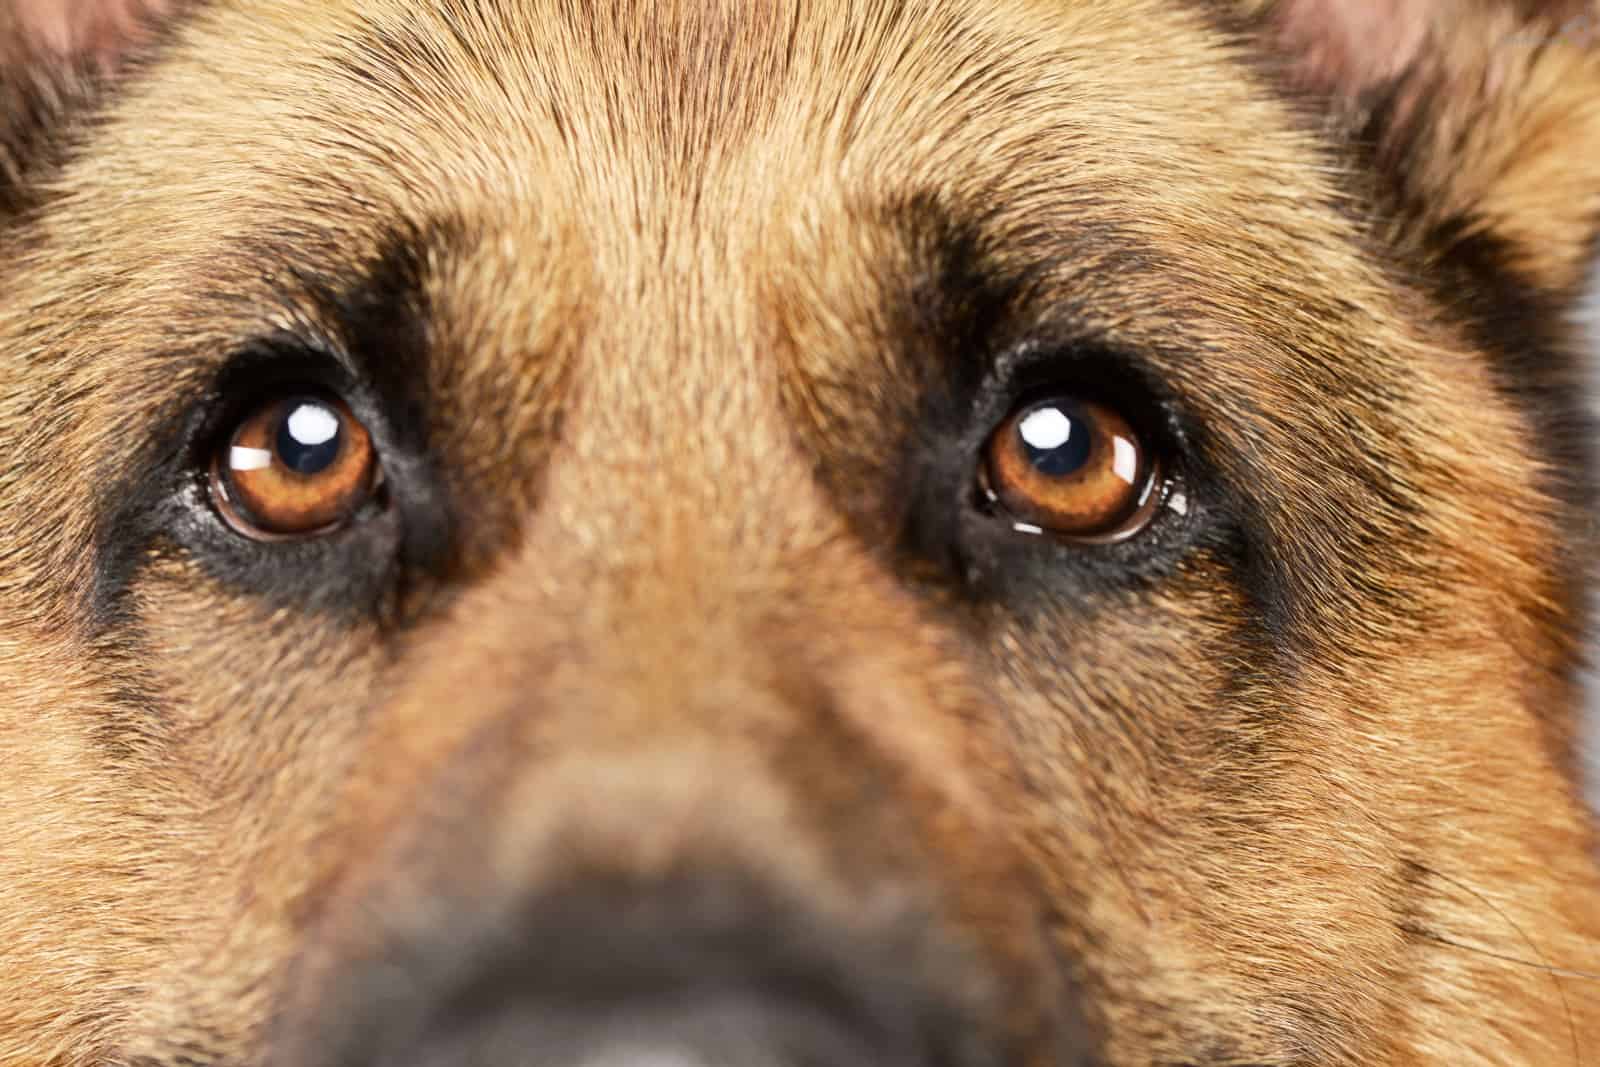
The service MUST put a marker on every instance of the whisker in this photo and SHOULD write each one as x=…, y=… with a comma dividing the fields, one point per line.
x=1561, y=972
x=1557, y=974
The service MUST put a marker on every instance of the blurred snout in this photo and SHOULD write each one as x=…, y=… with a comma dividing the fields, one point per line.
x=703, y=972
x=708, y=796
x=677, y=935
x=771, y=860
x=700, y=904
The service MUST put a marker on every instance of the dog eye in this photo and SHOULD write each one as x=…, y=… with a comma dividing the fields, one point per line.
x=296, y=466
x=1073, y=468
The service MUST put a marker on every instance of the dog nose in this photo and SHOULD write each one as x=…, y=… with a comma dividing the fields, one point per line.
x=701, y=1028
x=677, y=975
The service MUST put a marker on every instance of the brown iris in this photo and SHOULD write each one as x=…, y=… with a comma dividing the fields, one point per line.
x=1073, y=468
x=294, y=467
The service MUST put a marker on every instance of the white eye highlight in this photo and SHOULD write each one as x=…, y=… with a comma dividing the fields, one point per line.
x=313, y=424
x=241, y=458
x=1046, y=428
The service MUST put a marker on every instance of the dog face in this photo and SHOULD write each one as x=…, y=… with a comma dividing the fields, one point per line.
x=951, y=533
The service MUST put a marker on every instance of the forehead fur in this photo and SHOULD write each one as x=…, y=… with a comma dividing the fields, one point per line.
x=679, y=171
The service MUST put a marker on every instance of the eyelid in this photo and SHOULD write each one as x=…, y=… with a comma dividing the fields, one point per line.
x=258, y=368
x=1092, y=371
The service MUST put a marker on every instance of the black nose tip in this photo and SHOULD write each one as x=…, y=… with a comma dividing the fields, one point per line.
x=689, y=975
x=703, y=1028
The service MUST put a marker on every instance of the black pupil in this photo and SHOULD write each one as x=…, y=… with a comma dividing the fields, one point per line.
x=1056, y=438
x=309, y=438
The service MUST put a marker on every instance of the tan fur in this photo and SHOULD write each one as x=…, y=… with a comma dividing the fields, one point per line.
x=1502, y=151
x=673, y=632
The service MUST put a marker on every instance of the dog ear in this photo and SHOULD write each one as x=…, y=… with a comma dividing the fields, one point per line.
x=56, y=57
x=96, y=30
x=1481, y=117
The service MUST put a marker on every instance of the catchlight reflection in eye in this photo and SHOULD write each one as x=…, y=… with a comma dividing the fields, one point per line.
x=241, y=458
x=313, y=424
x=298, y=465
x=1124, y=459
x=1046, y=428
x=1073, y=468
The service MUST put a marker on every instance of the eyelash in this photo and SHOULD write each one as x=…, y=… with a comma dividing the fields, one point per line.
x=1092, y=373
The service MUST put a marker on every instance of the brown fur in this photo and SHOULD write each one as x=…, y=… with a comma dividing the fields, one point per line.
x=670, y=298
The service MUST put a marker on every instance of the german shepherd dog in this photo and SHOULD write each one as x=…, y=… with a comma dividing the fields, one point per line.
x=789, y=533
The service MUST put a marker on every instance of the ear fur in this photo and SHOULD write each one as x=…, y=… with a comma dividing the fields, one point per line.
x=1482, y=117
x=97, y=30
x=55, y=57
